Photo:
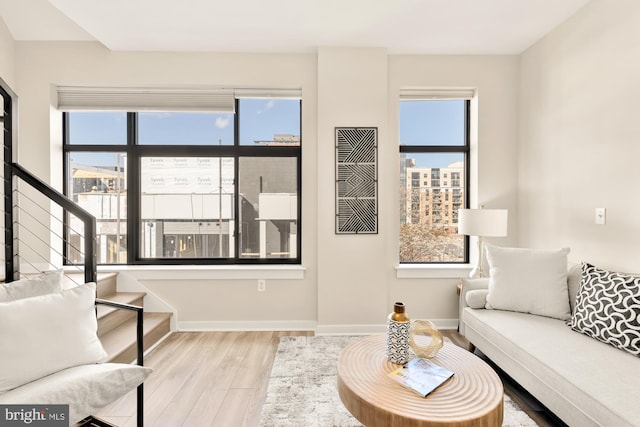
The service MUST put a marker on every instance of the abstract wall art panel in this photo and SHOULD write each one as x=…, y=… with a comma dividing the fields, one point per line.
x=356, y=180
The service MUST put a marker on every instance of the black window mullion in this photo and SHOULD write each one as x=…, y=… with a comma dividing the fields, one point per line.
x=65, y=186
x=467, y=168
x=435, y=148
x=237, y=223
x=299, y=189
x=133, y=189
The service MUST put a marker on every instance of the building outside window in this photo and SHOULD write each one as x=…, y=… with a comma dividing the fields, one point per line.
x=434, y=142
x=187, y=187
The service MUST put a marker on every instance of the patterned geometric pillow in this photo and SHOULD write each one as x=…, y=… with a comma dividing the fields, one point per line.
x=608, y=308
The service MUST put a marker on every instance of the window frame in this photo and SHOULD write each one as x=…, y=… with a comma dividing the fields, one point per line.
x=136, y=152
x=464, y=149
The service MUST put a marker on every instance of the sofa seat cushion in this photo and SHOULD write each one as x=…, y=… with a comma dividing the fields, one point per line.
x=84, y=388
x=594, y=383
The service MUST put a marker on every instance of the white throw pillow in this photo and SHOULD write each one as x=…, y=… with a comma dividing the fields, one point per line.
x=48, y=333
x=46, y=283
x=529, y=281
x=574, y=277
x=85, y=388
x=477, y=298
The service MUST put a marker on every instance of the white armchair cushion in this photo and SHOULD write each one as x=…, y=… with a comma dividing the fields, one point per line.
x=48, y=333
x=42, y=284
x=528, y=281
x=85, y=388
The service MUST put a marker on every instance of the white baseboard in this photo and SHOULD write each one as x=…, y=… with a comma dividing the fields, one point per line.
x=350, y=329
x=242, y=325
x=299, y=325
x=442, y=324
x=445, y=324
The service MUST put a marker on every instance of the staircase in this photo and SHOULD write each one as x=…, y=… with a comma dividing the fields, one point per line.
x=117, y=328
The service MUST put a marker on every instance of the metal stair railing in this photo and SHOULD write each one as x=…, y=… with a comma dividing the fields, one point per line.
x=14, y=174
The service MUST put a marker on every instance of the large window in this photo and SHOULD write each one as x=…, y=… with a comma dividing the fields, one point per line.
x=184, y=187
x=434, y=159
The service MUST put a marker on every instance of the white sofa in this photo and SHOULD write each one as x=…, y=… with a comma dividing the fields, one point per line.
x=583, y=381
x=50, y=352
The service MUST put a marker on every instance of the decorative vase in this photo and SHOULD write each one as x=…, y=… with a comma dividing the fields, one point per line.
x=398, y=326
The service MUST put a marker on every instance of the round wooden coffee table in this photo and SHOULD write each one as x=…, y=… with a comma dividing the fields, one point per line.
x=472, y=397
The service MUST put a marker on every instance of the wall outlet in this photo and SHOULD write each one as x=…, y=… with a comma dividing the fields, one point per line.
x=262, y=285
x=601, y=216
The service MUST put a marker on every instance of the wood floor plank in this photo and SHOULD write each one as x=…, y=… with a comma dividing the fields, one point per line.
x=233, y=410
x=206, y=408
x=178, y=377
x=215, y=347
x=165, y=364
x=253, y=365
x=221, y=379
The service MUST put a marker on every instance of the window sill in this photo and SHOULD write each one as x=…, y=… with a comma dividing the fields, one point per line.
x=432, y=271
x=209, y=272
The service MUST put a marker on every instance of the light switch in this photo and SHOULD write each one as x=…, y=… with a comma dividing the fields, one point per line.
x=601, y=216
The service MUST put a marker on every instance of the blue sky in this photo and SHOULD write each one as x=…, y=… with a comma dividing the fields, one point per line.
x=260, y=120
x=432, y=123
x=421, y=123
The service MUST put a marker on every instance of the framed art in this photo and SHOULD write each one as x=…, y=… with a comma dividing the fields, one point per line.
x=356, y=180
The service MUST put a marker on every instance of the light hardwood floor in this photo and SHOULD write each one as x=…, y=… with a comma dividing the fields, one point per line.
x=220, y=379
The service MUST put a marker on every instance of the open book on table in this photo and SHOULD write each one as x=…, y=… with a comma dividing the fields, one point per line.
x=421, y=376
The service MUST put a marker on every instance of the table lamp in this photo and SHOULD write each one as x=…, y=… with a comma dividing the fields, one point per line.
x=482, y=223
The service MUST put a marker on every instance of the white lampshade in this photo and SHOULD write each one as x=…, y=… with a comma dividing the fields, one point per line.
x=483, y=222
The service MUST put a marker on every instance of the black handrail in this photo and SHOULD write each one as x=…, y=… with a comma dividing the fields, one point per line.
x=89, y=221
x=7, y=128
x=139, y=349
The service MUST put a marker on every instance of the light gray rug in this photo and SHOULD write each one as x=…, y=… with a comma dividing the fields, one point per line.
x=302, y=389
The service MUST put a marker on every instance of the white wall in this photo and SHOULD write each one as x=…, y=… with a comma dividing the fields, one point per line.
x=352, y=91
x=350, y=281
x=203, y=300
x=7, y=56
x=357, y=282
x=493, y=157
x=579, y=137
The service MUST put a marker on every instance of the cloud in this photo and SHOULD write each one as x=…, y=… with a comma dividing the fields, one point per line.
x=222, y=122
x=269, y=105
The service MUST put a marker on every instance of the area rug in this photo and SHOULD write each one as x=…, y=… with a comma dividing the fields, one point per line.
x=302, y=389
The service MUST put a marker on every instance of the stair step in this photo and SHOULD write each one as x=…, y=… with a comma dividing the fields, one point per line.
x=106, y=282
x=120, y=343
x=110, y=318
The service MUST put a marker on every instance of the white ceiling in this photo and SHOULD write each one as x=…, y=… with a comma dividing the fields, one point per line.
x=400, y=26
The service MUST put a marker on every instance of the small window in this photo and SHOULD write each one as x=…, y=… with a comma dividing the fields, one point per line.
x=268, y=207
x=271, y=122
x=96, y=128
x=185, y=128
x=433, y=142
x=186, y=207
x=97, y=182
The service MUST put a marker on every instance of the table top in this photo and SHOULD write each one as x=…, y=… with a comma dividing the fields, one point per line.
x=472, y=397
